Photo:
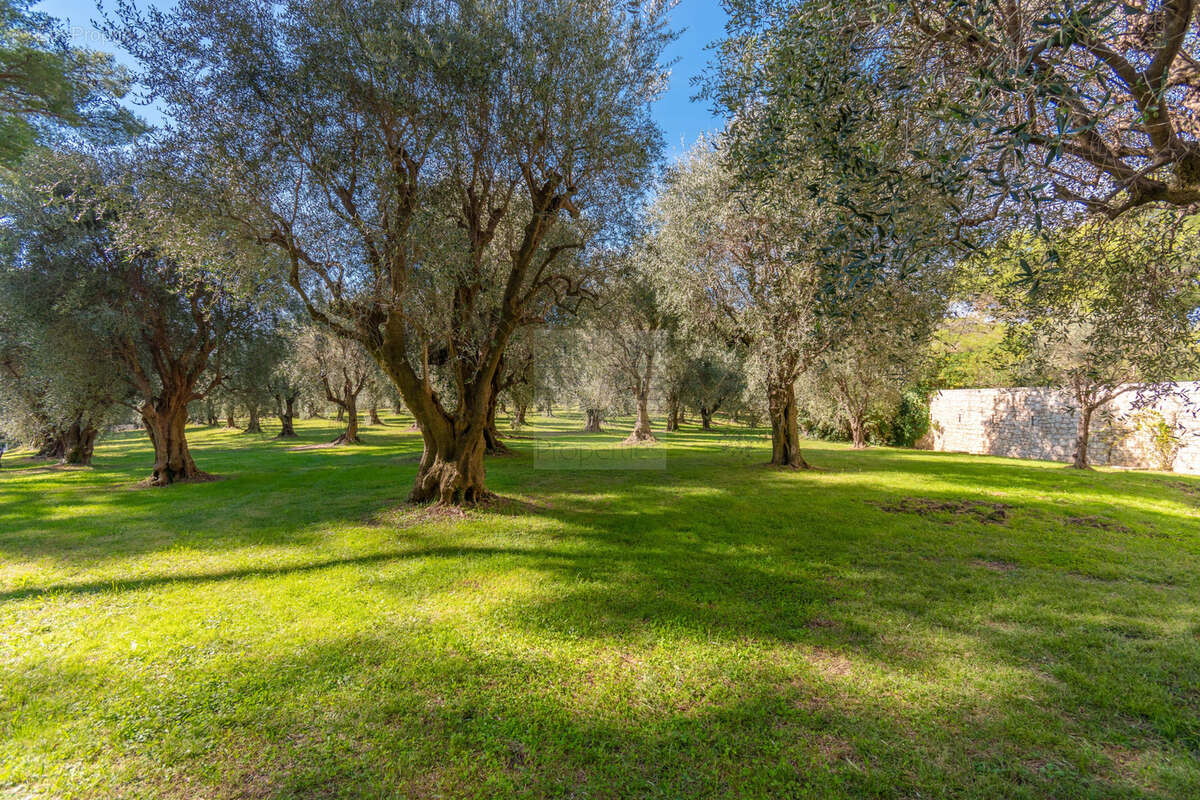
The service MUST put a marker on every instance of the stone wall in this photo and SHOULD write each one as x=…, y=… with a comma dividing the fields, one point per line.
x=1040, y=424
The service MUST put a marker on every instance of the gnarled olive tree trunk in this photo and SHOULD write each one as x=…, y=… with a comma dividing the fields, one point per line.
x=594, y=418
x=706, y=416
x=373, y=418
x=491, y=434
x=79, y=443
x=785, y=429
x=285, y=406
x=255, y=423
x=672, y=411
x=348, y=409
x=165, y=420
x=641, y=430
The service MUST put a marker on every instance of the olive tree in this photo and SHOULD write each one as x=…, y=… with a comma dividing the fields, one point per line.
x=341, y=369
x=630, y=329
x=1092, y=102
x=879, y=355
x=1115, y=314
x=414, y=162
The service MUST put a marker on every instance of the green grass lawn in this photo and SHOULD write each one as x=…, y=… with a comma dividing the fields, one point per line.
x=680, y=622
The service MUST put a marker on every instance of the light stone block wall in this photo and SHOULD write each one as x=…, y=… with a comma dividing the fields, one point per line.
x=1040, y=424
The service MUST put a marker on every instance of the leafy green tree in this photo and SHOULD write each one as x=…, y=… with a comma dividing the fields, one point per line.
x=341, y=369
x=46, y=84
x=713, y=379
x=414, y=162
x=880, y=354
x=1114, y=315
x=1092, y=102
x=155, y=315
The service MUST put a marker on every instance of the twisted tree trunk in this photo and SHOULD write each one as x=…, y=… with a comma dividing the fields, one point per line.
x=348, y=405
x=594, y=418
x=451, y=471
x=672, y=411
x=491, y=434
x=79, y=443
x=285, y=410
x=641, y=430
x=785, y=430
x=165, y=420
x=255, y=424
x=374, y=419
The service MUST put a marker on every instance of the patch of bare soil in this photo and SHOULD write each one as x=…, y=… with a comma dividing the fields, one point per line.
x=993, y=513
x=995, y=566
x=1099, y=523
x=1189, y=489
x=323, y=446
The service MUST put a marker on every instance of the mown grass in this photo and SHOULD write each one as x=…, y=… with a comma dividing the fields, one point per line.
x=684, y=622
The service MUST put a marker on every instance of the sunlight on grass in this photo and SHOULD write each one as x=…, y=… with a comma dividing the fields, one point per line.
x=712, y=628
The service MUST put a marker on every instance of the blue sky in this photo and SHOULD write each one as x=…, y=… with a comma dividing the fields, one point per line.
x=682, y=120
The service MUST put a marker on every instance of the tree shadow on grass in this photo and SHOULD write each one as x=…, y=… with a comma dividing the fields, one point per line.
x=751, y=633
x=359, y=716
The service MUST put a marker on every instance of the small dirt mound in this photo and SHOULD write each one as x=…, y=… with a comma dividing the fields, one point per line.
x=1099, y=523
x=995, y=565
x=993, y=513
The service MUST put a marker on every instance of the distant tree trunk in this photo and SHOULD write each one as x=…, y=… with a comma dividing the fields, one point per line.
x=594, y=418
x=230, y=419
x=374, y=411
x=491, y=434
x=706, y=415
x=672, y=411
x=285, y=410
x=641, y=430
x=858, y=430
x=398, y=406
x=79, y=443
x=785, y=431
x=855, y=411
x=518, y=421
x=310, y=410
x=166, y=423
x=341, y=415
x=349, y=405
x=51, y=445
x=210, y=416
x=255, y=424
x=1083, y=433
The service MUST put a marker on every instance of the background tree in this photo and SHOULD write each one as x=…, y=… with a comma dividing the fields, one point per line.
x=591, y=379
x=251, y=365
x=413, y=162
x=342, y=369
x=159, y=311
x=632, y=325
x=881, y=354
x=59, y=385
x=713, y=380
x=46, y=84
x=286, y=387
x=1113, y=315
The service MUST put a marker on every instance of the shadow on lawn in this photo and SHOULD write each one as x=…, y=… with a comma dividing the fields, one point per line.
x=360, y=717
x=826, y=617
